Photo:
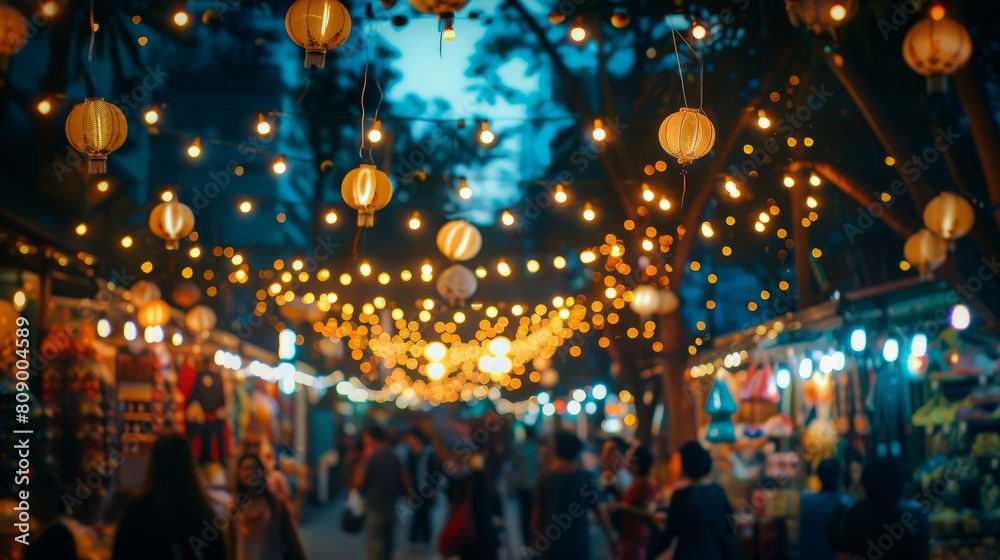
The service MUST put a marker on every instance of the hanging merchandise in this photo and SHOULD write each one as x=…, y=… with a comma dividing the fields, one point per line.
x=760, y=385
x=721, y=406
x=206, y=414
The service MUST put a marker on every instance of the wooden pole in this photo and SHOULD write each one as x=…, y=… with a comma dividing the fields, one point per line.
x=803, y=278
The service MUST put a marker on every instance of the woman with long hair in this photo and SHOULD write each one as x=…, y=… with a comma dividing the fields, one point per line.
x=262, y=527
x=172, y=518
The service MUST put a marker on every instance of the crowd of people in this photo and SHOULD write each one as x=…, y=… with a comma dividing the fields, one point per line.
x=396, y=480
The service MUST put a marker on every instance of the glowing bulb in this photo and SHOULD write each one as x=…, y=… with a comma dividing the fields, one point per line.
x=279, y=165
x=507, y=218
x=838, y=361
x=789, y=181
x=533, y=266
x=415, y=221
x=486, y=135
x=759, y=227
x=838, y=12
x=365, y=269
x=103, y=186
x=181, y=18
x=195, y=252
x=45, y=107
x=129, y=331
x=599, y=391
x=503, y=268
x=664, y=204
x=859, y=339
x=811, y=202
x=127, y=241
x=151, y=116
x=560, y=195
x=890, y=351
x=826, y=363
x=375, y=133
x=331, y=217
x=436, y=351
x=647, y=193
x=814, y=180
x=599, y=133
x=81, y=229
x=578, y=33
x=937, y=12
x=918, y=346
x=559, y=262
x=464, y=192
x=764, y=122
x=103, y=328
x=706, y=229
x=49, y=8
x=647, y=245
x=960, y=317
x=783, y=378
x=263, y=127
x=579, y=395
x=698, y=31
x=806, y=368
x=588, y=213
x=435, y=371
x=588, y=257
x=500, y=345
x=194, y=150
x=246, y=207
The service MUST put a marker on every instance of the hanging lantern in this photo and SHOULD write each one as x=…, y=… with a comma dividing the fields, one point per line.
x=13, y=34
x=154, y=313
x=549, y=378
x=171, y=221
x=687, y=135
x=144, y=291
x=366, y=189
x=200, y=319
x=444, y=10
x=926, y=251
x=96, y=128
x=645, y=300
x=620, y=19
x=318, y=26
x=949, y=216
x=186, y=294
x=820, y=16
x=935, y=47
x=459, y=240
x=669, y=302
x=456, y=284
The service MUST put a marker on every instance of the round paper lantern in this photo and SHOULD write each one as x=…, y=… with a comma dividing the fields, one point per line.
x=153, y=313
x=438, y=6
x=935, y=47
x=949, y=216
x=171, y=221
x=186, y=294
x=549, y=378
x=144, y=291
x=366, y=189
x=459, y=240
x=687, y=135
x=820, y=16
x=556, y=17
x=620, y=20
x=456, y=284
x=645, y=300
x=13, y=34
x=669, y=302
x=926, y=251
x=200, y=319
x=317, y=26
x=96, y=128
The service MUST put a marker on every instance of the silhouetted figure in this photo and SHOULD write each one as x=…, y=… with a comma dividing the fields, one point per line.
x=263, y=528
x=636, y=506
x=817, y=511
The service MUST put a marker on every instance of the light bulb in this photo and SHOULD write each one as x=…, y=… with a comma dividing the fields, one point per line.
x=698, y=31
x=599, y=391
x=533, y=266
x=246, y=207
x=129, y=331
x=960, y=317
x=859, y=339
x=806, y=368
x=280, y=166
x=814, y=180
x=375, y=132
x=503, y=268
x=331, y=217
x=464, y=192
x=664, y=204
x=789, y=181
x=706, y=229
x=811, y=202
x=838, y=12
x=435, y=371
x=415, y=221
x=194, y=150
x=449, y=33
x=486, y=135
x=365, y=269
x=507, y=218
x=559, y=262
x=151, y=116
x=937, y=12
x=783, y=378
x=890, y=351
x=588, y=257
x=578, y=33
x=599, y=133
x=918, y=346
x=103, y=328
x=127, y=241
x=103, y=186
x=436, y=351
x=762, y=120
x=45, y=106
x=588, y=213
x=647, y=194
x=263, y=127
x=181, y=18
x=81, y=229
x=560, y=195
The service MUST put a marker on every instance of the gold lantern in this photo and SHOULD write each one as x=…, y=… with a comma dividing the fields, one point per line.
x=318, y=26
x=459, y=240
x=926, y=251
x=200, y=319
x=949, y=216
x=935, y=47
x=96, y=128
x=820, y=16
x=154, y=313
x=457, y=284
x=171, y=221
x=687, y=135
x=366, y=189
x=13, y=34
x=144, y=291
x=645, y=300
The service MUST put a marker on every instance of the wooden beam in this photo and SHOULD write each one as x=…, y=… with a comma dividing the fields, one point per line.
x=983, y=127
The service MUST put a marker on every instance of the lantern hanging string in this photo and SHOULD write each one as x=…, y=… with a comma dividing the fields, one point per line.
x=680, y=72
x=91, y=81
x=364, y=87
x=381, y=97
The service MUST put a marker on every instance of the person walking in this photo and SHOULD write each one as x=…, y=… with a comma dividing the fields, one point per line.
x=172, y=518
x=817, y=511
x=563, y=495
x=698, y=525
x=382, y=481
x=262, y=527
x=421, y=464
x=527, y=459
x=636, y=507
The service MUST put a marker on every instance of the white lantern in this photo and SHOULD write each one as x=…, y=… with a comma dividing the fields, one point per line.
x=144, y=291
x=171, y=221
x=366, y=189
x=949, y=216
x=645, y=300
x=456, y=284
x=200, y=319
x=459, y=240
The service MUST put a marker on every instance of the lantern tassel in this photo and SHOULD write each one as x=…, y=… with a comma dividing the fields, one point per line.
x=357, y=239
x=684, y=183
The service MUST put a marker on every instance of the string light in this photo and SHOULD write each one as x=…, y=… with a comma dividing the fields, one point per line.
x=588, y=256
x=415, y=221
x=664, y=204
x=647, y=194
x=464, y=192
x=246, y=207
x=559, y=262
x=151, y=116
x=811, y=202
x=103, y=186
x=762, y=120
x=50, y=8
x=449, y=32
x=698, y=31
x=263, y=127
x=507, y=218
x=331, y=217
x=560, y=195
x=127, y=241
x=280, y=166
x=503, y=268
x=195, y=252
x=789, y=181
x=814, y=180
x=194, y=150
x=599, y=133
x=181, y=18
x=375, y=132
x=706, y=230
x=838, y=12
x=588, y=213
x=486, y=136
x=577, y=32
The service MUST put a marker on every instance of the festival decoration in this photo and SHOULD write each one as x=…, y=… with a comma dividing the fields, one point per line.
x=153, y=313
x=13, y=34
x=820, y=16
x=317, y=26
x=444, y=10
x=687, y=135
x=366, y=189
x=645, y=300
x=721, y=406
x=459, y=240
x=936, y=46
x=457, y=284
x=669, y=302
x=144, y=291
x=96, y=128
x=949, y=216
x=200, y=319
x=171, y=221
x=186, y=294
x=925, y=251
